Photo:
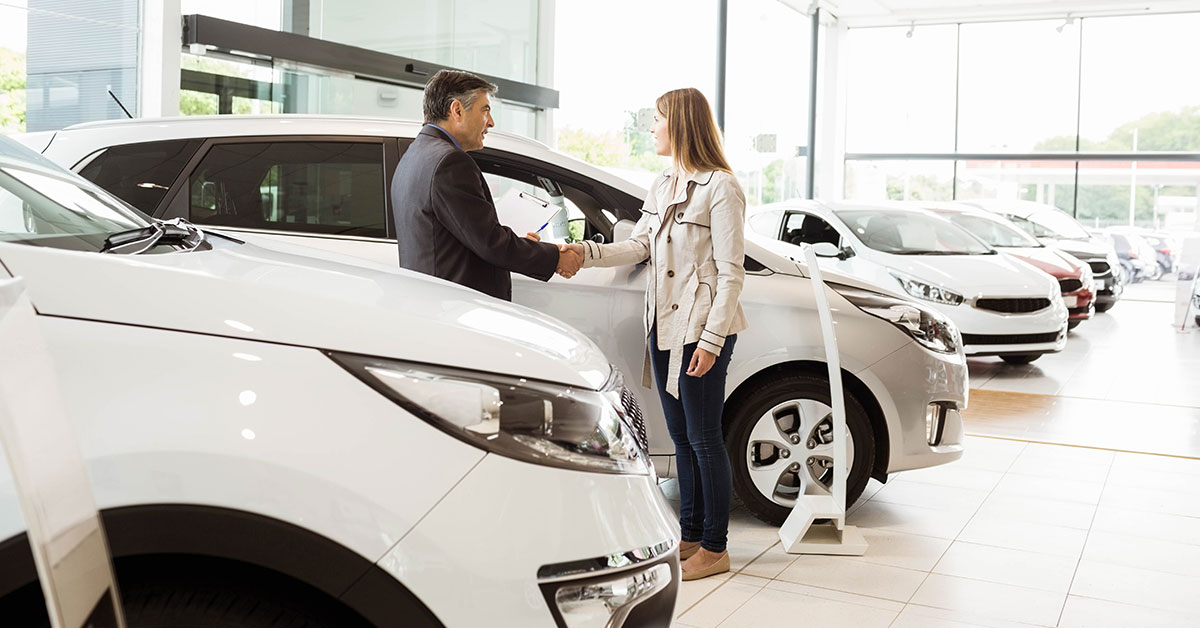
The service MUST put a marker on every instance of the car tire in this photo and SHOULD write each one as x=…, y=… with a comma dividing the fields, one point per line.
x=1020, y=358
x=193, y=603
x=1104, y=307
x=796, y=404
x=1073, y=324
x=1157, y=273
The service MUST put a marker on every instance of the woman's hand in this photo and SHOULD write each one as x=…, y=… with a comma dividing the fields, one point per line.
x=701, y=361
x=532, y=235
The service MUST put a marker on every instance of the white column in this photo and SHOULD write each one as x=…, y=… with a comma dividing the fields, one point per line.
x=545, y=67
x=831, y=105
x=159, y=58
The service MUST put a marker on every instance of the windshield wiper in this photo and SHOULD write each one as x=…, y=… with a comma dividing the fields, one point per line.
x=173, y=231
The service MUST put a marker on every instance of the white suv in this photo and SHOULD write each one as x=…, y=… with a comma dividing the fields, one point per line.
x=322, y=182
x=276, y=436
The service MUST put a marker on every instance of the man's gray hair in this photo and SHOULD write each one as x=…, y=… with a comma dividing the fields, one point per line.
x=448, y=86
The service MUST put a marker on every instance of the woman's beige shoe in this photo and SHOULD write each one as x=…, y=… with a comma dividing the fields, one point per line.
x=687, y=552
x=721, y=566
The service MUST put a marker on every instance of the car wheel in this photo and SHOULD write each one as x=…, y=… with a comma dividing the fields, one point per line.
x=1156, y=272
x=780, y=445
x=1020, y=358
x=1104, y=307
x=185, y=603
x=1072, y=324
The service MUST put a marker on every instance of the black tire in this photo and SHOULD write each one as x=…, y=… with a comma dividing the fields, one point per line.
x=1020, y=358
x=755, y=404
x=1072, y=324
x=166, y=600
x=1104, y=307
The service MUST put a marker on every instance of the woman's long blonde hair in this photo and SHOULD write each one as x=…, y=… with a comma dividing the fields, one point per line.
x=692, y=129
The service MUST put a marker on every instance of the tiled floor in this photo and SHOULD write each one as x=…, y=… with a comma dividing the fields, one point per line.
x=1086, y=533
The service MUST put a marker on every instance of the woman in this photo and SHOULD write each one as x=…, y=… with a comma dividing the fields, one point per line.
x=691, y=231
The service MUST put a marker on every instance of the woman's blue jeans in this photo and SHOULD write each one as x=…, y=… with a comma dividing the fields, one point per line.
x=694, y=422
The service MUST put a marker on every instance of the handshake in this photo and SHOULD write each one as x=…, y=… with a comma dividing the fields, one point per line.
x=570, y=256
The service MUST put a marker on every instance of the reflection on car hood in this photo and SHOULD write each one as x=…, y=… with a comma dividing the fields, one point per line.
x=245, y=291
x=975, y=275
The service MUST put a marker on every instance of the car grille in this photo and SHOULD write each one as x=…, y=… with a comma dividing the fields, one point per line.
x=1100, y=269
x=634, y=412
x=1013, y=306
x=1069, y=285
x=1008, y=339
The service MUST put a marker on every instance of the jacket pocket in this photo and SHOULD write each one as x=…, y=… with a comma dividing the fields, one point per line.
x=697, y=214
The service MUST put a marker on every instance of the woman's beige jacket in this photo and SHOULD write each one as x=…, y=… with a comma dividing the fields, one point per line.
x=696, y=247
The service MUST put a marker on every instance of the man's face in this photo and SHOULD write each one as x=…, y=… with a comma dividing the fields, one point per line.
x=475, y=123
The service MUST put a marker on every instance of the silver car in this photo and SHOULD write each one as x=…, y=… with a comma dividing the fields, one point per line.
x=321, y=182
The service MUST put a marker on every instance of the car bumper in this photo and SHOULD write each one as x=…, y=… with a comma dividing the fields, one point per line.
x=993, y=333
x=918, y=378
x=506, y=537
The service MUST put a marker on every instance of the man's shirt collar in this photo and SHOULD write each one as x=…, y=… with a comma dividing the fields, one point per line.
x=447, y=134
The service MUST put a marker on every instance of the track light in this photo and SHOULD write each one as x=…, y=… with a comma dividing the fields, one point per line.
x=1067, y=22
x=912, y=26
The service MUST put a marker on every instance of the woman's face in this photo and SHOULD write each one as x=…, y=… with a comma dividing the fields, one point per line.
x=662, y=139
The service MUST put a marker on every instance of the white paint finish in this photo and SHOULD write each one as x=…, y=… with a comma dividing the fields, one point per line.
x=505, y=520
x=330, y=454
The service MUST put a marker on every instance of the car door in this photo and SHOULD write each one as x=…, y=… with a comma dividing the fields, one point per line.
x=800, y=227
x=63, y=526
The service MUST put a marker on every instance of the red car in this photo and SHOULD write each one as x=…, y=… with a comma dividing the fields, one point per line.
x=1073, y=275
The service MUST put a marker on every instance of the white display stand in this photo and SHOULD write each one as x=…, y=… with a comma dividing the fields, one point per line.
x=800, y=533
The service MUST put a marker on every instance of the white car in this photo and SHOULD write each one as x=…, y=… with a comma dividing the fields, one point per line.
x=322, y=182
x=309, y=441
x=1002, y=306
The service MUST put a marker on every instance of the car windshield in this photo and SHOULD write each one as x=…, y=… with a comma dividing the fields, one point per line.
x=997, y=233
x=911, y=233
x=45, y=209
x=1054, y=224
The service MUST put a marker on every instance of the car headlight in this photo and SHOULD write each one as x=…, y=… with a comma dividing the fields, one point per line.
x=533, y=421
x=928, y=327
x=1087, y=277
x=927, y=291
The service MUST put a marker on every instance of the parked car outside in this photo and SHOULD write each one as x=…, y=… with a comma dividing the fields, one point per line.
x=1164, y=246
x=1054, y=228
x=1003, y=306
x=1073, y=276
x=321, y=182
x=1137, y=256
x=339, y=445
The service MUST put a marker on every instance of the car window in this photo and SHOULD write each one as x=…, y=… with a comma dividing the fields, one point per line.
x=526, y=199
x=911, y=233
x=766, y=223
x=140, y=174
x=805, y=228
x=993, y=232
x=315, y=187
x=59, y=211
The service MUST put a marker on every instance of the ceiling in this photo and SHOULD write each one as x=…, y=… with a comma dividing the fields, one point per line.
x=860, y=13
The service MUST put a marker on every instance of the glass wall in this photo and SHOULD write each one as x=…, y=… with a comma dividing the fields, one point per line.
x=12, y=68
x=612, y=60
x=1059, y=96
x=766, y=121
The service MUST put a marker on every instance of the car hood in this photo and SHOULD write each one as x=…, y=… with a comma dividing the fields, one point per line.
x=250, y=292
x=1045, y=259
x=1080, y=248
x=975, y=275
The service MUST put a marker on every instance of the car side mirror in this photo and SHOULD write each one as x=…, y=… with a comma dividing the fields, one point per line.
x=825, y=249
x=623, y=230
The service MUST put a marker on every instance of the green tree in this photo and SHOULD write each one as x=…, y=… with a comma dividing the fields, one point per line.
x=12, y=91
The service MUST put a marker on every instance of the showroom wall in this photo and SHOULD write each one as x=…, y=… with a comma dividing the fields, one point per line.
x=1095, y=115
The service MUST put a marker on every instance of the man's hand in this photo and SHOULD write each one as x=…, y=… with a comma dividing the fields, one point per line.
x=702, y=360
x=533, y=236
x=570, y=259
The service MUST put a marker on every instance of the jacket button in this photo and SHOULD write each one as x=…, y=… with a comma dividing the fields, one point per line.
x=670, y=273
x=668, y=239
x=675, y=306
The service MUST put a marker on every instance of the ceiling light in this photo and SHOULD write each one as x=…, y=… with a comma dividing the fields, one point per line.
x=1067, y=22
x=911, y=27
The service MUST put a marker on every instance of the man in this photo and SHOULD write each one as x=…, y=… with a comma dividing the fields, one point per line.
x=446, y=223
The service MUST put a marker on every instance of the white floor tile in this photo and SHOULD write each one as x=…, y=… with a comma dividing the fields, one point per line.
x=917, y=616
x=1061, y=469
x=1081, y=612
x=1084, y=456
x=1151, y=500
x=837, y=596
x=1008, y=566
x=989, y=454
x=1127, y=463
x=897, y=549
x=1184, y=483
x=1143, y=553
x=771, y=563
x=860, y=578
x=1023, y=535
x=952, y=475
x=741, y=554
x=771, y=607
x=718, y=605
x=1138, y=587
x=990, y=599
x=1050, y=488
x=1149, y=525
x=694, y=590
x=1016, y=507
x=930, y=496
x=944, y=524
